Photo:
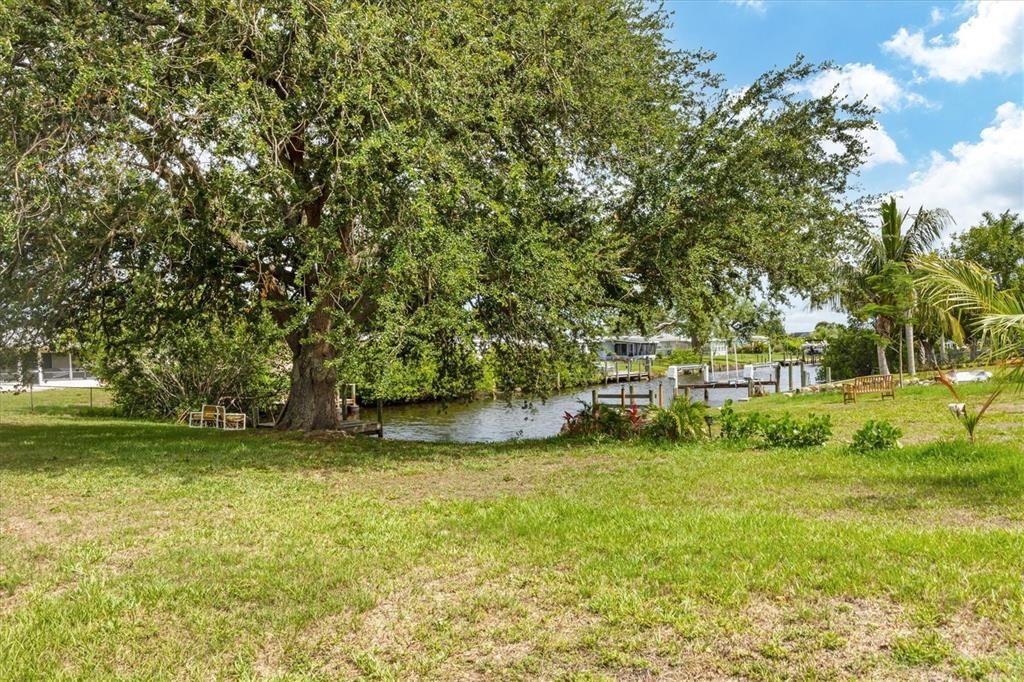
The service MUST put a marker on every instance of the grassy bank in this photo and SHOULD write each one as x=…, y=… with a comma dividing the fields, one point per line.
x=153, y=551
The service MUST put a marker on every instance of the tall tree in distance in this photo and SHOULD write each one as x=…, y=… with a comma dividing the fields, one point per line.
x=996, y=244
x=391, y=182
x=885, y=260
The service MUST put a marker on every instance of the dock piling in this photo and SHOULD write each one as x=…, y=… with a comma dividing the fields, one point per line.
x=380, y=418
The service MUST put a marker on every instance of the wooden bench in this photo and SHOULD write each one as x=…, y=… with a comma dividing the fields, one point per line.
x=871, y=384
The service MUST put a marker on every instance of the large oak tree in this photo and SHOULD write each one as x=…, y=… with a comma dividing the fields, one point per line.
x=385, y=177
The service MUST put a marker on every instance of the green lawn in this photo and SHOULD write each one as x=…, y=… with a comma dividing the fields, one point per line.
x=151, y=551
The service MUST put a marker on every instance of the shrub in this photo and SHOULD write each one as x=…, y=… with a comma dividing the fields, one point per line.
x=604, y=420
x=784, y=431
x=851, y=353
x=681, y=421
x=787, y=432
x=875, y=436
x=739, y=427
x=194, y=362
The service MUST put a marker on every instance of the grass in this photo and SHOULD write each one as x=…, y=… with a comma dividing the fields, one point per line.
x=151, y=551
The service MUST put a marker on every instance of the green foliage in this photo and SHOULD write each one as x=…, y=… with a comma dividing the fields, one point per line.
x=683, y=420
x=683, y=357
x=194, y=362
x=603, y=420
x=996, y=244
x=968, y=418
x=876, y=435
x=789, y=432
x=739, y=427
x=399, y=187
x=780, y=431
x=851, y=353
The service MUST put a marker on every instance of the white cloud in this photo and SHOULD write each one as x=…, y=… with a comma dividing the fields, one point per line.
x=862, y=81
x=759, y=6
x=881, y=148
x=986, y=175
x=990, y=41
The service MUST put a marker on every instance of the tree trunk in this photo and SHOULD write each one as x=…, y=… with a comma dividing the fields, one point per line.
x=313, y=395
x=883, y=363
x=911, y=363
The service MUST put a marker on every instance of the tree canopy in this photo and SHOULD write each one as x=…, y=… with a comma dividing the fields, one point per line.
x=997, y=244
x=383, y=181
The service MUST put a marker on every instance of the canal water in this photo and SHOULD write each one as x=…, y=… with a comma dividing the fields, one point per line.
x=491, y=420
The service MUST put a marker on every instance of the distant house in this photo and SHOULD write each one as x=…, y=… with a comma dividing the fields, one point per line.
x=664, y=343
x=626, y=348
x=45, y=367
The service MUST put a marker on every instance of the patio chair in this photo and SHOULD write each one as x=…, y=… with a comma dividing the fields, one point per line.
x=233, y=421
x=209, y=415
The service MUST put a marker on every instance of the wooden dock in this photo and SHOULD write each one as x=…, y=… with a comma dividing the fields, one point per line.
x=616, y=371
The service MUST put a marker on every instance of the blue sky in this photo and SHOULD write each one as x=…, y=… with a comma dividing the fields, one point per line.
x=947, y=77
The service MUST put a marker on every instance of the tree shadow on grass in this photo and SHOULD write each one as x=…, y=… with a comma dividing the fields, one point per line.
x=151, y=447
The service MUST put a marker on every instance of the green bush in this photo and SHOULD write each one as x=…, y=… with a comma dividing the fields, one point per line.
x=681, y=421
x=783, y=431
x=787, y=432
x=851, y=353
x=194, y=362
x=604, y=420
x=875, y=436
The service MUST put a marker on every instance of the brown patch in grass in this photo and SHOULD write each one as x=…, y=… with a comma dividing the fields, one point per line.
x=846, y=639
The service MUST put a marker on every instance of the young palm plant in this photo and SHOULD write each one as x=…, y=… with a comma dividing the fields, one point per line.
x=969, y=419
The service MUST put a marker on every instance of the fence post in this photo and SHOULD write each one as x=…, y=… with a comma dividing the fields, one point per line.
x=750, y=387
x=650, y=395
x=622, y=396
x=632, y=400
x=778, y=378
x=789, y=371
x=661, y=396
x=706, y=400
x=380, y=418
x=828, y=375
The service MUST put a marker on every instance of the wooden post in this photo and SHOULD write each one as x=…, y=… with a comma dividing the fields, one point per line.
x=790, y=375
x=380, y=418
x=593, y=401
x=632, y=400
x=778, y=378
x=706, y=401
x=650, y=395
x=622, y=396
x=686, y=392
x=828, y=375
x=803, y=375
x=750, y=387
x=661, y=396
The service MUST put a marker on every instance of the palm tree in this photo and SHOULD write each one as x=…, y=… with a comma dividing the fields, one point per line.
x=997, y=314
x=894, y=246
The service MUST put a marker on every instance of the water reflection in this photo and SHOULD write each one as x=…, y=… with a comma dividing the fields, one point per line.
x=490, y=420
